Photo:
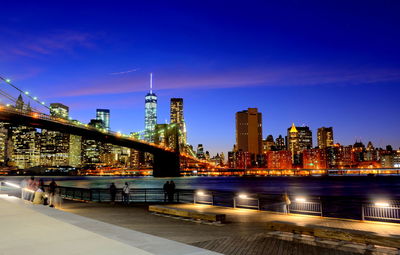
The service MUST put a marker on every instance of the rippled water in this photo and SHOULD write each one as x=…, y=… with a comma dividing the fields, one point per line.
x=382, y=186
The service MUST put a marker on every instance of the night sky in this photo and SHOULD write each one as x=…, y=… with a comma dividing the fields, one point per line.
x=315, y=63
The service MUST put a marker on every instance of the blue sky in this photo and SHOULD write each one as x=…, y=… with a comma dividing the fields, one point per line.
x=318, y=63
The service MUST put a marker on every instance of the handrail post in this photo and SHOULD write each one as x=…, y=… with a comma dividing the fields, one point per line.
x=362, y=212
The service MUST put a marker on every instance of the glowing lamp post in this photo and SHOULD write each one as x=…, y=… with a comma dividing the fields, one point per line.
x=245, y=201
x=202, y=197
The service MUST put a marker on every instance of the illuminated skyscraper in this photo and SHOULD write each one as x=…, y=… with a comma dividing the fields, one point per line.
x=104, y=115
x=325, y=137
x=59, y=110
x=177, y=118
x=299, y=139
x=150, y=117
x=176, y=110
x=249, y=131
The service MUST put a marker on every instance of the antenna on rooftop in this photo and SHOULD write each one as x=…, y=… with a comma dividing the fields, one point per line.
x=151, y=83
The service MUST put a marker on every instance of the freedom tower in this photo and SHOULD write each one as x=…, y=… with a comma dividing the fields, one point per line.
x=150, y=117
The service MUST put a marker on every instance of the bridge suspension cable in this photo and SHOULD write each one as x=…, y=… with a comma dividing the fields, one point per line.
x=26, y=93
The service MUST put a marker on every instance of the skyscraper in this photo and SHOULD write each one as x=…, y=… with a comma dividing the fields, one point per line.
x=280, y=143
x=299, y=139
x=104, y=115
x=59, y=110
x=150, y=117
x=176, y=116
x=249, y=131
x=325, y=137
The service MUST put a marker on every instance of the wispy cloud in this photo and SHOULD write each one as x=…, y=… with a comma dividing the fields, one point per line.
x=285, y=76
x=28, y=45
x=125, y=72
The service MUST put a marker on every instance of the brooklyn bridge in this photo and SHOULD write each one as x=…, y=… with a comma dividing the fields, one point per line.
x=166, y=160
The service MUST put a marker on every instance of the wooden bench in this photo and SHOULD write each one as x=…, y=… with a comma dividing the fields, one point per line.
x=355, y=236
x=192, y=214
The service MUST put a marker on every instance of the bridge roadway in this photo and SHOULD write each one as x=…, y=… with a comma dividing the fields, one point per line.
x=166, y=162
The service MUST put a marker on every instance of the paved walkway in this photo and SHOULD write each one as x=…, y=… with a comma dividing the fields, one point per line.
x=254, y=216
x=36, y=229
x=243, y=234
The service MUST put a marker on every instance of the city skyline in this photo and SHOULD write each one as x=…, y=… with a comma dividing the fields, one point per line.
x=341, y=68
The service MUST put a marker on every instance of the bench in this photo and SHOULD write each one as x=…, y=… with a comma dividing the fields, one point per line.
x=192, y=214
x=348, y=235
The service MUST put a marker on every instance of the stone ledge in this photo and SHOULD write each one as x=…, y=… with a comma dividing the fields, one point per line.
x=187, y=213
x=354, y=236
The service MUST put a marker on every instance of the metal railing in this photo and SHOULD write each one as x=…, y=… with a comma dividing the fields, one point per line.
x=135, y=195
x=385, y=213
x=305, y=207
x=201, y=197
x=246, y=201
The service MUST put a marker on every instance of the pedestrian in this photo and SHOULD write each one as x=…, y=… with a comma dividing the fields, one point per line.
x=286, y=202
x=166, y=189
x=125, y=193
x=41, y=185
x=171, y=191
x=52, y=192
x=113, y=192
x=31, y=188
x=39, y=197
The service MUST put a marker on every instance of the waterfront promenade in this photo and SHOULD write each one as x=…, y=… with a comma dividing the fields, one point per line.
x=244, y=233
x=36, y=229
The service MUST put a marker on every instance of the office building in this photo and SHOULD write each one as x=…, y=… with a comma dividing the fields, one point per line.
x=54, y=148
x=280, y=143
x=59, y=110
x=298, y=139
x=268, y=144
x=249, y=131
x=25, y=144
x=200, y=152
x=176, y=117
x=150, y=117
x=75, y=150
x=279, y=159
x=104, y=116
x=166, y=135
x=325, y=137
x=315, y=159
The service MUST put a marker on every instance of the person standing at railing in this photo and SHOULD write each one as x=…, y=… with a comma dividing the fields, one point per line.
x=286, y=202
x=166, y=189
x=125, y=193
x=171, y=191
x=52, y=192
x=113, y=192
